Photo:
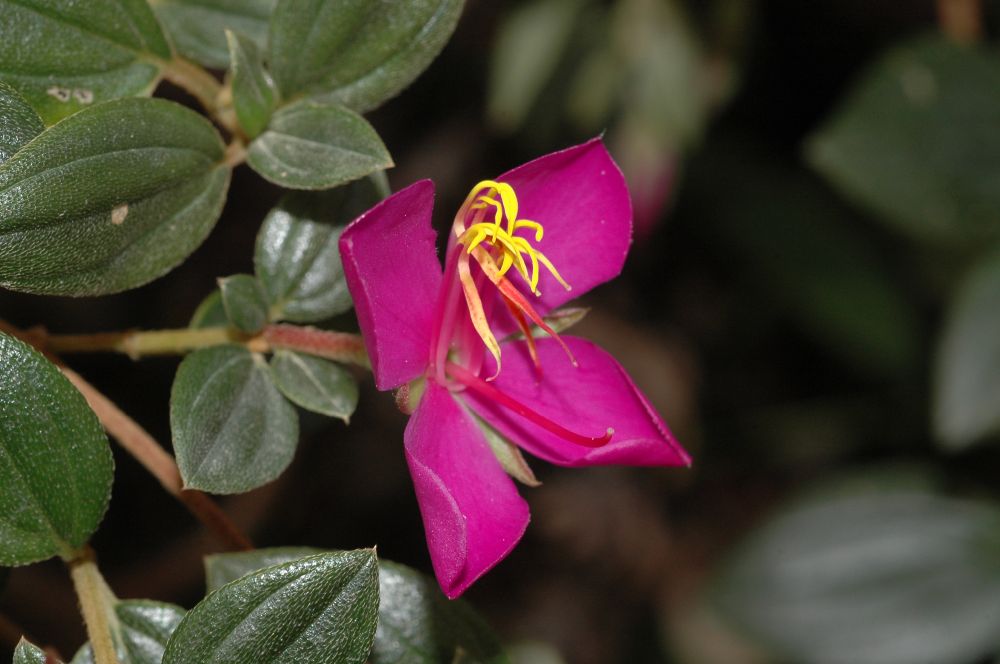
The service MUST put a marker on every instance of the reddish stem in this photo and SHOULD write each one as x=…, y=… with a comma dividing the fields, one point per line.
x=339, y=346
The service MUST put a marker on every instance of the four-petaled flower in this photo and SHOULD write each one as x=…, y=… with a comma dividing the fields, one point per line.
x=473, y=355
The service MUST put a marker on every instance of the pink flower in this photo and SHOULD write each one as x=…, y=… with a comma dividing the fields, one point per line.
x=461, y=342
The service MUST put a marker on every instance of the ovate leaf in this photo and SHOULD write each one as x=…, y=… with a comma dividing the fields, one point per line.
x=419, y=625
x=66, y=56
x=317, y=610
x=197, y=27
x=244, y=301
x=416, y=623
x=232, y=429
x=28, y=653
x=315, y=384
x=88, y=208
x=967, y=383
x=210, y=313
x=143, y=630
x=254, y=96
x=915, y=141
x=297, y=258
x=310, y=145
x=55, y=462
x=864, y=573
x=223, y=568
x=18, y=122
x=356, y=53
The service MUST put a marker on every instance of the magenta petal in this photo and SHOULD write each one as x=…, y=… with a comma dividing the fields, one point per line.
x=587, y=400
x=473, y=515
x=580, y=197
x=393, y=273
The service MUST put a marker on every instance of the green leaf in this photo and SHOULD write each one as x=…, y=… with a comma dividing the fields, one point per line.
x=508, y=454
x=316, y=610
x=197, y=27
x=55, y=462
x=530, y=43
x=315, y=384
x=870, y=573
x=967, y=380
x=88, y=209
x=416, y=623
x=144, y=628
x=915, y=141
x=28, y=653
x=354, y=52
x=66, y=56
x=297, y=258
x=232, y=429
x=254, y=96
x=224, y=568
x=244, y=301
x=310, y=145
x=210, y=313
x=18, y=122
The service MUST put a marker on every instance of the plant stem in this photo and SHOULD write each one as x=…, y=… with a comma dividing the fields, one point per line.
x=137, y=344
x=204, y=87
x=199, y=82
x=961, y=20
x=339, y=346
x=96, y=605
x=161, y=465
x=332, y=345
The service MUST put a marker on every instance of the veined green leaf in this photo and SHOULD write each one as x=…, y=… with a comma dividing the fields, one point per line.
x=55, y=463
x=416, y=623
x=315, y=384
x=88, y=209
x=297, y=258
x=311, y=145
x=254, y=96
x=354, y=52
x=244, y=301
x=316, y=610
x=232, y=429
x=28, y=653
x=67, y=56
x=197, y=27
x=18, y=122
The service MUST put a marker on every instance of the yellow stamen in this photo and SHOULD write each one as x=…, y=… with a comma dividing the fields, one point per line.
x=476, y=312
x=497, y=249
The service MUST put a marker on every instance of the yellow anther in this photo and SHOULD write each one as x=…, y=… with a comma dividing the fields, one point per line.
x=508, y=250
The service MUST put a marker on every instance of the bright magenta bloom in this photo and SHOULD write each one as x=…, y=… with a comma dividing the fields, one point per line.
x=520, y=246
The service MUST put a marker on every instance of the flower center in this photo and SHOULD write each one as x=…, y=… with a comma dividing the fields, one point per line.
x=496, y=249
x=509, y=248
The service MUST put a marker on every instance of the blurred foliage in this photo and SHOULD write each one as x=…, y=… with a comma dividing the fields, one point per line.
x=637, y=68
x=877, y=568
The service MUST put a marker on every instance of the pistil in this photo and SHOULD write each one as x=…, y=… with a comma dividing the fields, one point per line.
x=471, y=381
